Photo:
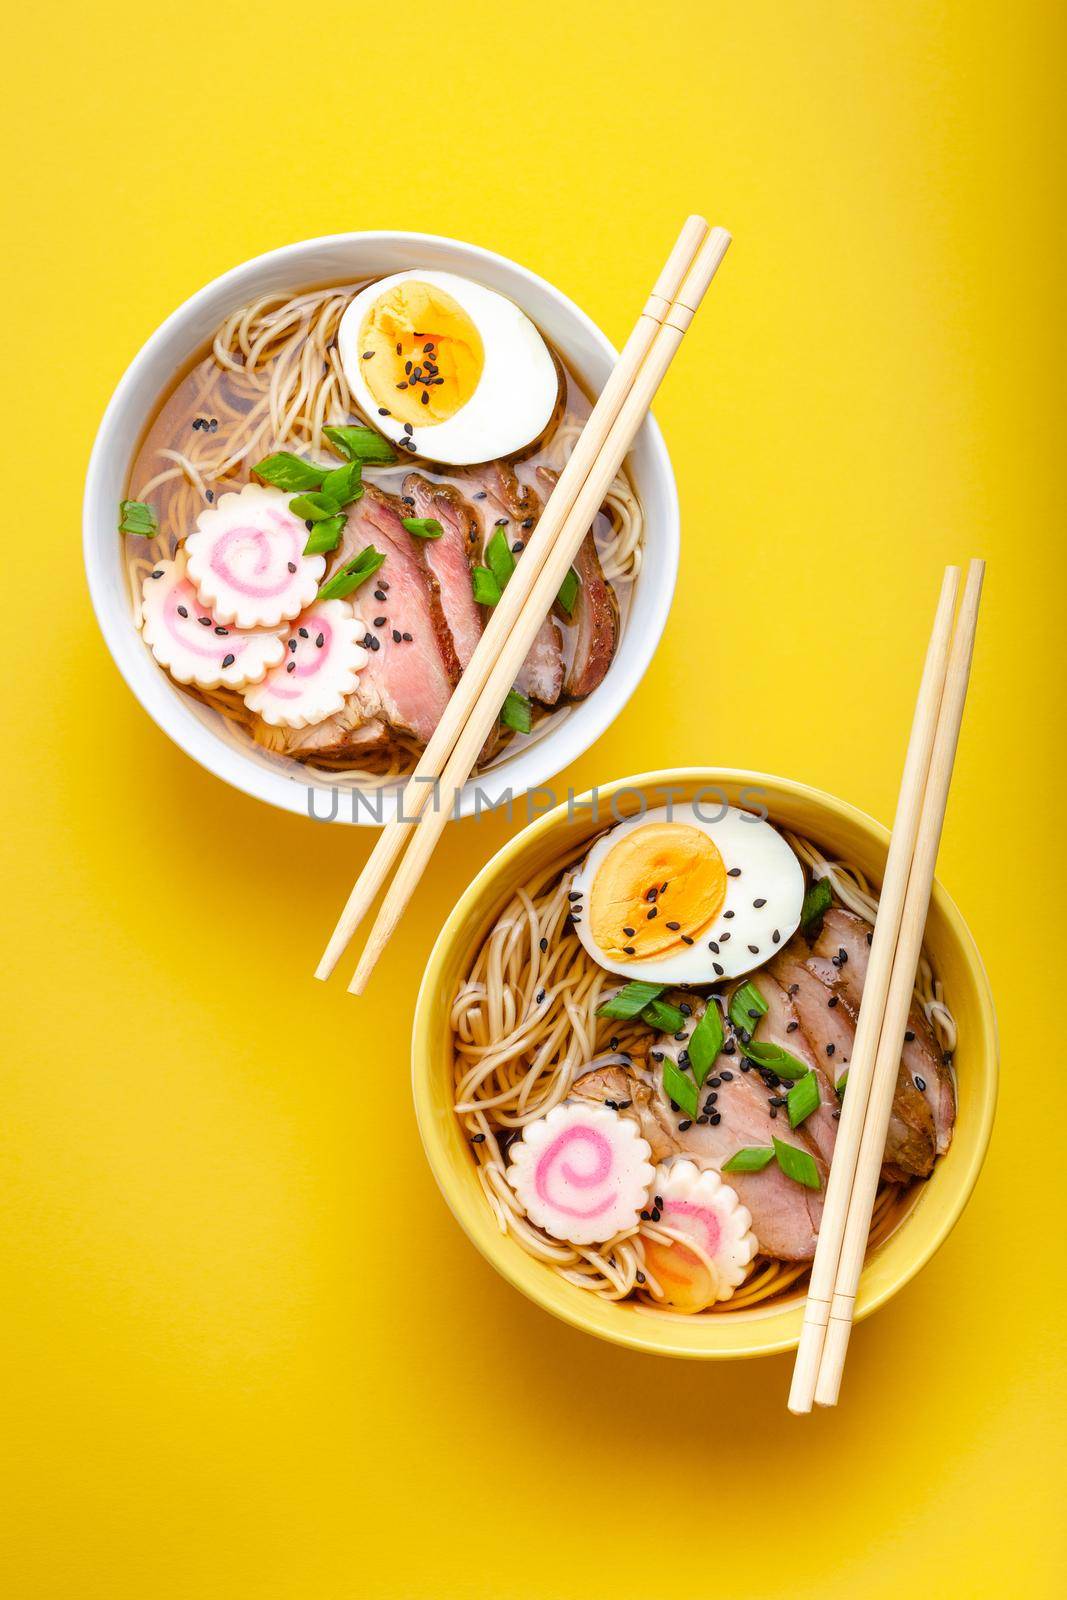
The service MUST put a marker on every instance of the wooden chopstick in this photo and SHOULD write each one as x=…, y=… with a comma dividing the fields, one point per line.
x=506, y=613
x=879, y=970
x=537, y=603
x=902, y=983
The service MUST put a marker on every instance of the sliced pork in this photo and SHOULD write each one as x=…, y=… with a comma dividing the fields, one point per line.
x=596, y=616
x=406, y=683
x=450, y=559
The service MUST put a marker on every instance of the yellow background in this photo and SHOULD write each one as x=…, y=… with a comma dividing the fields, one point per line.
x=247, y=1353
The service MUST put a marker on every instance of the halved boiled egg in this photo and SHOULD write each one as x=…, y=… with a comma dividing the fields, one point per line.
x=447, y=369
x=671, y=897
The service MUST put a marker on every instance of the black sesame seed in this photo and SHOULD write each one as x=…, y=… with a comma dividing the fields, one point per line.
x=713, y=947
x=686, y=939
x=481, y=494
x=291, y=667
x=674, y=926
x=724, y=936
x=775, y=936
x=920, y=1083
x=715, y=1118
x=229, y=660
x=543, y=946
x=367, y=354
x=753, y=949
x=628, y=950
x=302, y=632
x=791, y=1027
x=292, y=566
x=292, y=645
x=720, y=972
x=540, y=996
x=831, y=1048
x=836, y=1114
x=406, y=638
x=517, y=548
x=713, y=1083
x=684, y=1124
x=183, y=611
x=909, y=1037
x=478, y=1138
x=728, y=914
x=793, y=988
x=374, y=644
x=650, y=914
x=727, y=1077
x=379, y=622
x=613, y=1043
x=629, y=932
x=832, y=1001
x=320, y=640
x=759, y=904
x=210, y=499
x=383, y=411
x=687, y=1011
x=574, y=894
x=205, y=622
x=733, y=872
x=396, y=636
x=772, y=1112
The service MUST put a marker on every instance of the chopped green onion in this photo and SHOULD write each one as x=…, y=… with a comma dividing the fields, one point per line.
x=774, y=1059
x=706, y=1041
x=325, y=535
x=753, y=1158
x=137, y=516
x=499, y=559
x=314, y=507
x=517, y=712
x=747, y=1006
x=423, y=527
x=664, y=1017
x=349, y=576
x=344, y=484
x=682, y=1090
x=360, y=444
x=568, y=592
x=797, y=1164
x=817, y=902
x=802, y=1099
x=841, y=1084
x=630, y=1001
x=486, y=589
x=286, y=471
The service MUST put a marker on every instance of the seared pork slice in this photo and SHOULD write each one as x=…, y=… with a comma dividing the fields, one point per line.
x=785, y=1216
x=502, y=500
x=595, y=619
x=844, y=934
x=449, y=559
x=781, y=1026
x=827, y=1018
x=405, y=684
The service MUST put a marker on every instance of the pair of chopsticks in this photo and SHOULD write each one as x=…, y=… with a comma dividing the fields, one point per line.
x=474, y=708
x=887, y=993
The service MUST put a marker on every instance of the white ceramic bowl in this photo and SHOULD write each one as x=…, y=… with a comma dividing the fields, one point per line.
x=341, y=257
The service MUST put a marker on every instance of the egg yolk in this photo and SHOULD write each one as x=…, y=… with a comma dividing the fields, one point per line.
x=421, y=354
x=657, y=884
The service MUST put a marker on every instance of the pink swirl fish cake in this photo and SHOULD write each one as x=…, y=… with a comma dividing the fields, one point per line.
x=191, y=642
x=698, y=1205
x=582, y=1173
x=246, y=559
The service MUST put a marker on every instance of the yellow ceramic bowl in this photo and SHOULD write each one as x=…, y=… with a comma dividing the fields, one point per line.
x=841, y=830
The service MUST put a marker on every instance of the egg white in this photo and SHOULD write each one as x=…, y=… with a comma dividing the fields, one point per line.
x=514, y=397
x=769, y=871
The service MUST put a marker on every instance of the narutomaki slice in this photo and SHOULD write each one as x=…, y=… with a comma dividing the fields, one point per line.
x=582, y=1172
x=193, y=645
x=246, y=559
x=323, y=660
x=698, y=1204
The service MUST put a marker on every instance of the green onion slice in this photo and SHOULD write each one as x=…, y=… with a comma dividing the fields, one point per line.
x=664, y=1017
x=682, y=1090
x=705, y=1042
x=774, y=1058
x=517, y=712
x=802, y=1099
x=138, y=517
x=423, y=527
x=344, y=484
x=360, y=444
x=325, y=535
x=486, y=589
x=499, y=559
x=286, y=471
x=348, y=577
x=797, y=1164
x=568, y=592
x=753, y=1158
x=630, y=1000
x=817, y=902
x=746, y=1000
x=314, y=507
x=842, y=1083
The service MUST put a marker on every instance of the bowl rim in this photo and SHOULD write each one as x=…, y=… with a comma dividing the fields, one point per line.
x=468, y=1207
x=529, y=767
